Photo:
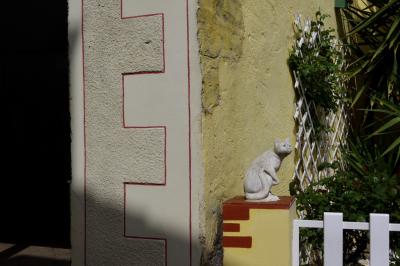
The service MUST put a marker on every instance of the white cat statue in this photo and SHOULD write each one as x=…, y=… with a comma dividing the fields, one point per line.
x=261, y=175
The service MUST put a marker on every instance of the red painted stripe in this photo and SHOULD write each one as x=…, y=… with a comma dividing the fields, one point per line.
x=284, y=202
x=231, y=227
x=237, y=241
x=239, y=209
x=142, y=16
x=235, y=213
x=190, y=130
x=84, y=135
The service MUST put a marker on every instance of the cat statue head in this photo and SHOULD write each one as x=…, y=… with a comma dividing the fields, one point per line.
x=282, y=148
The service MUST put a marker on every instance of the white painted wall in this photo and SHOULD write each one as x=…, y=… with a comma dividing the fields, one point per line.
x=137, y=174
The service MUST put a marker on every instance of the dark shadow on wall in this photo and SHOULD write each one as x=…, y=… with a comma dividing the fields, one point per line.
x=26, y=255
x=14, y=249
x=34, y=261
x=108, y=252
x=215, y=257
x=36, y=166
x=35, y=147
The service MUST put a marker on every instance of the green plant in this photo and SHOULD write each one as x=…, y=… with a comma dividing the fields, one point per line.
x=390, y=125
x=318, y=59
x=374, y=44
x=367, y=184
x=369, y=180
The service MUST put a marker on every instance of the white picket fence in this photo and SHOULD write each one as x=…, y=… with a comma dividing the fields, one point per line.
x=334, y=225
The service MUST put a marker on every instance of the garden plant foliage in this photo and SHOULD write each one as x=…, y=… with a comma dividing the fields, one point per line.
x=368, y=180
x=318, y=58
x=374, y=43
x=367, y=185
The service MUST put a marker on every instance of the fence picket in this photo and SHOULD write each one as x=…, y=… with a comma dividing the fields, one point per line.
x=333, y=239
x=379, y=239
x=295, y=244
x=334, y=225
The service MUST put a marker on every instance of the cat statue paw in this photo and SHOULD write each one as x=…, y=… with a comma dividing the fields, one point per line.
x=261, y=175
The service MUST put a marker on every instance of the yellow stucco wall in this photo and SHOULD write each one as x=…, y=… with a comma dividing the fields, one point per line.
x=248, y=98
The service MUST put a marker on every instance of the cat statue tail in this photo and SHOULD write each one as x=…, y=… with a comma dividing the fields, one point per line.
x=256, y=185
x=256, y=196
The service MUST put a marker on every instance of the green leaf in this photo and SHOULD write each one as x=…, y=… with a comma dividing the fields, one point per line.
x=392, y=146
x=394, y=108
x=393, y=28
x=377, y=53
x=395, y=39
x=358, y=95
x=360, y=59
x=387, y=125
x=372, y=19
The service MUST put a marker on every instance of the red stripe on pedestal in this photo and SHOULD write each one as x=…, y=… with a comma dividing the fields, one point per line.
x=231, y=227
x=238, y=208
x=237, y=241
x=233, y=212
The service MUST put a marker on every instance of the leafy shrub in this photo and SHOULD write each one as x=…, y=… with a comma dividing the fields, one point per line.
x=368, y=184
x=318, y=58
x=374, y=44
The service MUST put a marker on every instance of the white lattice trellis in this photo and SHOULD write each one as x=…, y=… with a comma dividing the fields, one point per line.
x=312, y=151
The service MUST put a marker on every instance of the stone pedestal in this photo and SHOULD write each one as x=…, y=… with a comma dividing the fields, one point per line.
x=258, y=233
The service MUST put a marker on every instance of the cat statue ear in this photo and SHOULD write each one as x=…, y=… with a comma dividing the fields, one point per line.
x=277, y=141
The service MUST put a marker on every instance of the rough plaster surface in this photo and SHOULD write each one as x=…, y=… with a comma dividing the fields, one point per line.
x=111, y=151
x=221, y=24
x=109, y=154
x=248, y=97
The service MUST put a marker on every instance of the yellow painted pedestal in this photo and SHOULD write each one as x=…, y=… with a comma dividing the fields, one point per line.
x=258, y=233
